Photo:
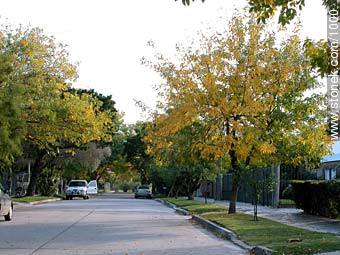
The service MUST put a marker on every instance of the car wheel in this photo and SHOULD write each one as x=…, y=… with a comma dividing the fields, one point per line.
x=67, y=198
x=136, y=196
x=9, y=216
x=70, y=197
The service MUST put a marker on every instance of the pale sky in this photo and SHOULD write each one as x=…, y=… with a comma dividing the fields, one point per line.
x=109, y=37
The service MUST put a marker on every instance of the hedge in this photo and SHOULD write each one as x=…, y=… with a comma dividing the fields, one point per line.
x=320, y=198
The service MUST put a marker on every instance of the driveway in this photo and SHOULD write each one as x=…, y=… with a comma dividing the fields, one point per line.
x=107, y=225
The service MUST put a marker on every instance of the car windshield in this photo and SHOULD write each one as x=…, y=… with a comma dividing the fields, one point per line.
x=143, y=187
x=77, y=184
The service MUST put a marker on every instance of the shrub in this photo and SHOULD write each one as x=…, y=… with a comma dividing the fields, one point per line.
x=288, y=193
x=47, y=183
x=318, y=197
x=126, y=186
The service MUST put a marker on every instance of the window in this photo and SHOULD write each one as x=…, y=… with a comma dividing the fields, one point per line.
x=77, y=184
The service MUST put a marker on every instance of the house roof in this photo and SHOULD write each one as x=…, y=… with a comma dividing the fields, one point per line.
x=335, y=155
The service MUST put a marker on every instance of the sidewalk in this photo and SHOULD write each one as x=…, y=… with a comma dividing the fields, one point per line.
x=289, y=216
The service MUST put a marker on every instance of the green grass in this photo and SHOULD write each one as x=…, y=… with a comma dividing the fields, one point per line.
x=31, y=199
x=195, y=207
x=264, y=232
x=286, y=202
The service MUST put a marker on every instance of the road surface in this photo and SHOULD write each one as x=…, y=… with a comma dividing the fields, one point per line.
x=106, y=225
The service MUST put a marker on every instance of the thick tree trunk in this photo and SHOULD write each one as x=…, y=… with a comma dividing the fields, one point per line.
x=35, y=173
x=33, y=182
x=234, y=191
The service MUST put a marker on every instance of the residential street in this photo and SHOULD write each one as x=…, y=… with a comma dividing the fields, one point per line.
x=106, y=225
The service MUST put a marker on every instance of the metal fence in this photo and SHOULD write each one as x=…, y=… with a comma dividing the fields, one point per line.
x=221, y=188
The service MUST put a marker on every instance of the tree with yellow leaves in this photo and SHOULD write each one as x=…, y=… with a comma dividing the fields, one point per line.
x=52, y=118
x=248, y=92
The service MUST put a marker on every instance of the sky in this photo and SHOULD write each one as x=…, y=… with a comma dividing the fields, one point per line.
x=109, y=37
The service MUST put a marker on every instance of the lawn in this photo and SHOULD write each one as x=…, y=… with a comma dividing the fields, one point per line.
x=286, y=202
x=30, y=199
x=281, y=238
x=196, y=207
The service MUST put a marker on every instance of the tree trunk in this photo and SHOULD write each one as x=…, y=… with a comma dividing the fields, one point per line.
x=176, y=193
x=255, y=212
x=191, y=196
x=171, y=191
x=33, y=182
x=234, y=191
x=236, y=178
x=35, y=173
x=256, y=201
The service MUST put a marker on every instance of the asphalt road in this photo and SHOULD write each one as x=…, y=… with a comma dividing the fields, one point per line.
x=107, y=225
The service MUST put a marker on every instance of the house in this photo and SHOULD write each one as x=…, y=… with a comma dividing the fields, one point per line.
x=330, y=164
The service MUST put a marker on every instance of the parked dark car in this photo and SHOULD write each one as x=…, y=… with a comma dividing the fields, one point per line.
x=6, y=205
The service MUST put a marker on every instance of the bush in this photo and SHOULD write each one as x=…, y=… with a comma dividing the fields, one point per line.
x=318, y=197
x=288, y=193
x=126, y=186
x=47, y=183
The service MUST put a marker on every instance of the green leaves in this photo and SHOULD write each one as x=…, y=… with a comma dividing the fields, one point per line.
x=36, y=105
x=12, y=127
x=187, y=2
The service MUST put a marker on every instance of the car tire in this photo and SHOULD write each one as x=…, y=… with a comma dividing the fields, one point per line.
x=136, y=196
x=70, y=197
x=9, y=216
x=67, y=198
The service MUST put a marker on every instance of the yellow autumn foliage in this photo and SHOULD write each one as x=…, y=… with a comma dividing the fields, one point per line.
x=246, y=92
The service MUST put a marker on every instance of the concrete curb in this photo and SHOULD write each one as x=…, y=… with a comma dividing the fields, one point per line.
x=45, y=201
x=225, y=233
x=37, y=202
x=172, y=206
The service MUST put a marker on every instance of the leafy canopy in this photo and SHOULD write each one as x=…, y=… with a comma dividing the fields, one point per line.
x=38, y=108
x=248, y=93
x=288, y=9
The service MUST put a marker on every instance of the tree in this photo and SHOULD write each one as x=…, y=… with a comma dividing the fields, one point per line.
x=135, y=151
x=318, y=51
x=187, y=2
x=106, y=102
x=259, y=182
x=90, y=158
x=288, y=9
x=11, y=125
x=178, y=154
x=53, y=117
x=248, y=92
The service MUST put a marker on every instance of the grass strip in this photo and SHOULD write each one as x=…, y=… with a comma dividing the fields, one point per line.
x=281, y=238
x=30, y=199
